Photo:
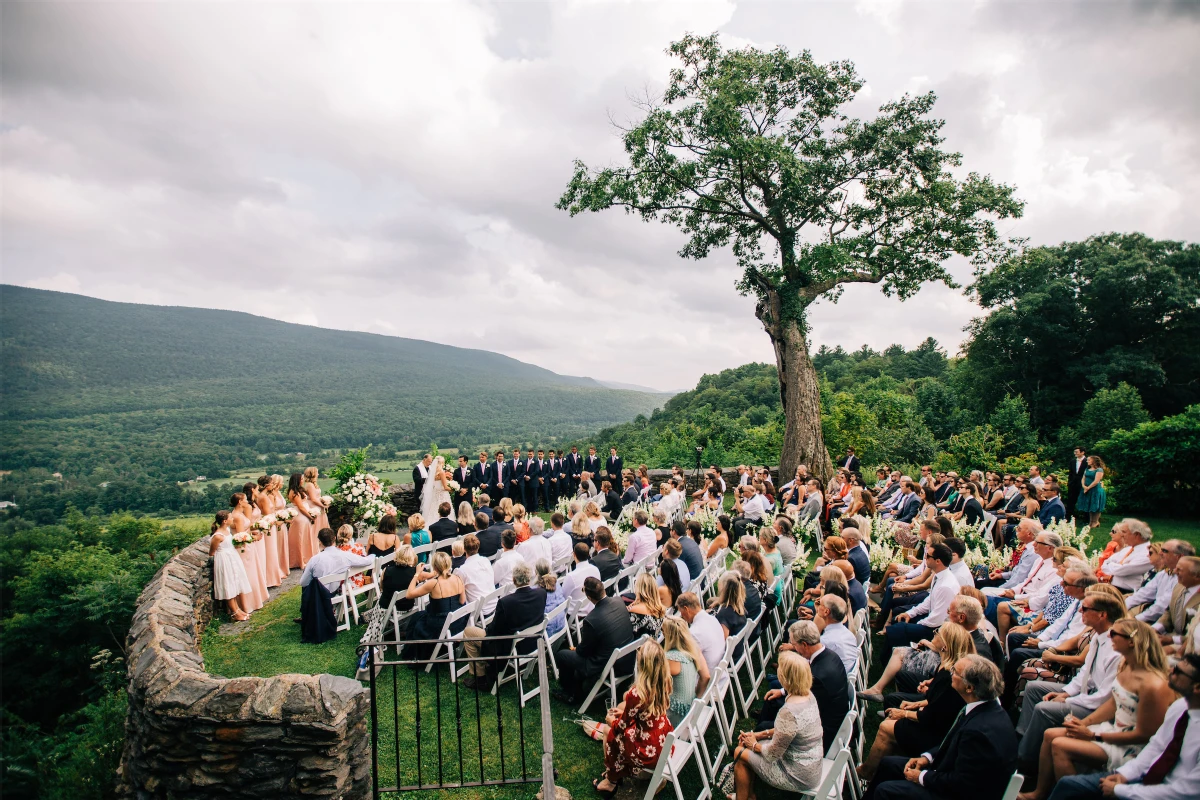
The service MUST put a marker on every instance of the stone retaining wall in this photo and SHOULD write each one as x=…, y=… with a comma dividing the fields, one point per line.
x=194, y=735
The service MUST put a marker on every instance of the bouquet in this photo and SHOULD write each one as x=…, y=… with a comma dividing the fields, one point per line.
x=326, y=500
x=454, y=486
x=264, y=523
x=240, y=540
x=475, y=496
x=285, y=515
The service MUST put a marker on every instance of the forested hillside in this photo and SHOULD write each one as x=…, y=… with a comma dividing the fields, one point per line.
x=110, y=392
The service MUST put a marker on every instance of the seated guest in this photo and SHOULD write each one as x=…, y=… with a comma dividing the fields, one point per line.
x=629, y=492
x=574, y=580
x=465, y=521
x=958, y=567
x=722, y=538
x=855, y=590
x=1116, y=541
x=909, y=587
x=1130, y=564
x=856, y=555
x=1184, y=604
x=476, y=573
x=605, y=628
x=639, y=724
x=1024, y=557
x=490, y=538
x=1029, y=645
x=750, y=508
x=685, y=662
x=1035, y=594
x=760, y=574
x=707, y=632
x=642, y=542
x=661, y=528
x=383, y=542
x=559, y=539
x=418, y=535
x=582, y=530
x=612, y=501
x=520, y=522
x=1116, y=732
x=831, y=618
x=967, y=611
x=447, y=594
x=673, y=552
x=833, y=548
x=830, y=575
x=930, y=613
x=396, y=578
x=767, y=539
x=1040, y=574
x=537, y=546
x=975, y=760
x=327, y=565
x=753, y=601
x=814, y=502
x=1058, y=601
x=919, y=725
x=502, y=567
x=1052, y=509
x=787, y=756
x=485, y=508
x=1168, y=767
x=523, y=608
x=446, y=527
x=669, y=587
x=1044, y=707
x=548, y=580
x=829, y=682
x=607, y=557
x=689, y=539
x=646, y=612
x=729, y=607
x=1136, y=602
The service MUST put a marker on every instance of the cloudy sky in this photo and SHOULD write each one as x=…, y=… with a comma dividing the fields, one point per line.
x=393, y=167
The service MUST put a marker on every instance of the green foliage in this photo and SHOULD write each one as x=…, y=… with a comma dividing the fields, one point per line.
x=976, y=448
x=1111, y=410
x=1010, y=420
x=350, y=464
x=1157, y=464
x=1070, y=320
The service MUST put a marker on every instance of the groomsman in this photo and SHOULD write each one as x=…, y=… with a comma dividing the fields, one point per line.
x=420, y=473
x=481, y=474
x=555, y=467
x=612, y=467
x=574, y=470
x=543, y=487
x=531, y=480
x=564, y=478
x=501, y=475
x=592, y=464
x=466, y=482
x=516, y=477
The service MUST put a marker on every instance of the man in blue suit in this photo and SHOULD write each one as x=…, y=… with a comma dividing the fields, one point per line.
x=975, y=759
x=516, y=477
x=574, y=470
x=1052, y=507
x=612, y=467
x=481, y=474
x=531, y=480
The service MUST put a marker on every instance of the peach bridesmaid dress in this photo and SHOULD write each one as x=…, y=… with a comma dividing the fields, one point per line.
x=252, y=559
x=270, y=553
x=280, y=538
x=301, y=539
x=315, y=502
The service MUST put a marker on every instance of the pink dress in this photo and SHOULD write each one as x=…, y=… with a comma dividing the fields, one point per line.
x=280, y=538
x=301, y=540
x=252, y=561
x=264, y=551
x=315, y=502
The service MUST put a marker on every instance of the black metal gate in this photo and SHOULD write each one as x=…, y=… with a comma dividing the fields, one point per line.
x=429, y=731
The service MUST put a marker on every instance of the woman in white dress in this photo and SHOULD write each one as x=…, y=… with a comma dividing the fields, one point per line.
x=1116, y=732
x=436, y=490
x=229, y=576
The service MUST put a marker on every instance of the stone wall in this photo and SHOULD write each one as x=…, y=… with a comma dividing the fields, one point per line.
x=194, y=735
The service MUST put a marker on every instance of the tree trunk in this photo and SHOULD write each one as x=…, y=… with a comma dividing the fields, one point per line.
x=799, y=392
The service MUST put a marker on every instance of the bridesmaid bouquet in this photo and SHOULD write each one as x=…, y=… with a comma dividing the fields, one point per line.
x=265, y=523
x=285, y=515
x=327, y=500
x=240, y=540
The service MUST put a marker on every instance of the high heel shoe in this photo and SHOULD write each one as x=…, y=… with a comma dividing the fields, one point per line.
x=606, y=793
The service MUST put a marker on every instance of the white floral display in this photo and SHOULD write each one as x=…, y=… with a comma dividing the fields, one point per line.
x=363, y=495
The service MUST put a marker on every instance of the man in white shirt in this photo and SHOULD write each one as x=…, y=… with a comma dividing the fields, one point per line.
x=503, y=566
x=958, y=567
x=1126, y=567
x=830, y=619
x=1027, y=531
x=751, y=506
x=1035, y=477
x=327, y=565
x=476, y=573
x=1156, y=593
x=743, y=475
x=572, y=582
x=642, y=542
x=1042, y=574
x=1045, y=707
x=1168, y=767
x=537, y=546
x=704, y=627
x=559, y=538
x=925, y=617
x=1028, y=641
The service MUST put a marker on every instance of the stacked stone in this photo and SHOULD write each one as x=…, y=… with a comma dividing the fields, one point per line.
x=194, y=735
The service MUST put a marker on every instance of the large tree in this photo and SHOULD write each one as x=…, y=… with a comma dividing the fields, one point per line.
x=751, y=149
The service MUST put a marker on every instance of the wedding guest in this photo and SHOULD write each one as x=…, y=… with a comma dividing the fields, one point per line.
x=1092, y=499
x=554, y=597
x=230, y=581
x=485, y=508
x=558, y=538
x=1152, y=598
x=605, y=628
x=476, y=573
x=646, y=612
x=523, y=608
x=669, y=585
x=705, y=628
x=447, y=593
x=1126, y=568
x=831, y=621
x=1113, y=734
x=1183, y=607
x=445, y=528
x=418, y=535
x=930, y=613
x=607, y=558
x=536, y=546
x=396, y=578
x=465, y=521
x=503, y=566
x=642, y=542
x=639, y=724
x=689, y=540
x=302, y=535
x=612, y=501
x=595, y=518
x=384, y=540
x=729, y=607
x=344, y=541
x=685, y=662
x=520, y=523
x=673, y=551
x=573, y=582
x=787, y=756
x=721, y=539
x=582, y=530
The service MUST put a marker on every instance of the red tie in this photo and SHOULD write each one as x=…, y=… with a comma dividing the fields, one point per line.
x=1036, y=567
x=1170, y=757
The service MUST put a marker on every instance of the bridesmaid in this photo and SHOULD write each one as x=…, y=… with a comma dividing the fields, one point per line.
x=313, y=491
x=239, y=522
x=275, y=490
x=264, y=504
x=261, y=540
x=302, y=536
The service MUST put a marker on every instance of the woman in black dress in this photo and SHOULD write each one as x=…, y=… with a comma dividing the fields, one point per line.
x=446, y=594
x=383, y=542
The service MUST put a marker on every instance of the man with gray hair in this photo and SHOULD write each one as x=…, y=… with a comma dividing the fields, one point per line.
x=975, y=759
x=1158, y=589
x=1183, y=606
x=830, y=687
x=831, y=617
x=1126, y=567
x=515, y=612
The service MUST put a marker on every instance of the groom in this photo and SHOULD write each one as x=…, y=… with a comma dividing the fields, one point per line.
x=420, y=473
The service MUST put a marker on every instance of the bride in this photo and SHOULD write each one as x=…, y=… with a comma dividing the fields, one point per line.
x=436, y=490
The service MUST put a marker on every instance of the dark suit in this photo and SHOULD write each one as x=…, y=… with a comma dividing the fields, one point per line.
x=630, y=496
x=592, y=464
x=466, y=482
x=604, y=630
x=850, y=463
x=481, y=478
x=516, y=481
x=489, y=538
x=550, y=490
x=612, y=470
x=609, y=564
x=487, y=512
x=861, y=563
x=529, y=482
x=501, y=473
x=909, y=507
x=1075, y=481
x=574, y=468
x=515, y=612
x=975, y=761
x=612, y=504
x=445, y=528
x=418, y=481
x=1052, y=511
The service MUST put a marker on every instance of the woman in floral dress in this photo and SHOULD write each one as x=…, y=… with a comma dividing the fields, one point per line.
x=638, y=726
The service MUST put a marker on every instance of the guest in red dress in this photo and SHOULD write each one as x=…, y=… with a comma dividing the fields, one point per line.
x=638, y=726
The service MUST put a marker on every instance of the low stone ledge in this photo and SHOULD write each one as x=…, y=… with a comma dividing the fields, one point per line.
x=190, y=734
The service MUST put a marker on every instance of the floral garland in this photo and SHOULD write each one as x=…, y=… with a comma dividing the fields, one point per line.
x=363, y=496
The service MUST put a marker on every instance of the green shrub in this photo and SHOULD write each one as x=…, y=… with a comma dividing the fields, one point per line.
x=1156, y=466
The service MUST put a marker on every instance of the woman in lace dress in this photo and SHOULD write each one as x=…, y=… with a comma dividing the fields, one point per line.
x=1116, y=732
x=787, y=756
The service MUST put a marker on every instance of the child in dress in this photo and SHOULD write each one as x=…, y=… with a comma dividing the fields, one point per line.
x=229, y=575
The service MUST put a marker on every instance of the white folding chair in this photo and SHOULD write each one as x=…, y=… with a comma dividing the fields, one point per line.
x=712, y=711
x=448, y=641
x=754, y=646
x=774, y=621
x=341, y=602
x=560, y=610
x=739, y=667
x=833, y=775
x=482, y=617
x=677, y=749
x=563, y=565
x=368, y=588
x=519, y=665
x=1014, y=787
x=608, y=676
x=844, y=740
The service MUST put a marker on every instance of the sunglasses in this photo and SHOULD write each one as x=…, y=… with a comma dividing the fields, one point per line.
x=1122, y=635
x=1087, y=608
x=1175, y=670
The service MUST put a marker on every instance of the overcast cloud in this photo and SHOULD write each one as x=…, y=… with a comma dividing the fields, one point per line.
x=394, y=167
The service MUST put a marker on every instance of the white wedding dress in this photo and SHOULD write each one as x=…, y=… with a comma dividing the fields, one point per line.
x=433, y=494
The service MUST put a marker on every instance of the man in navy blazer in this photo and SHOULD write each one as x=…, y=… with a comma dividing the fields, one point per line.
x=529, y=480
x=500, y=477
x=516, y=477
x=630, y=495
x=612, y=467
x=1052, y=507
x=481, y=474
x=976, y=758
x=909, y=505
x=515, y=612
x=574, y=469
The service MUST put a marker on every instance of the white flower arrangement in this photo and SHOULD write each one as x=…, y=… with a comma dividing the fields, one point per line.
x=454, y=486
x=969, y=533
x=882, y=530
x=808, y=531
x=564, y=507
x=1078, y=537
x=240, y=540
x=285, y=515
x=881, y=554
x=364, y=497
x=708, y=522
